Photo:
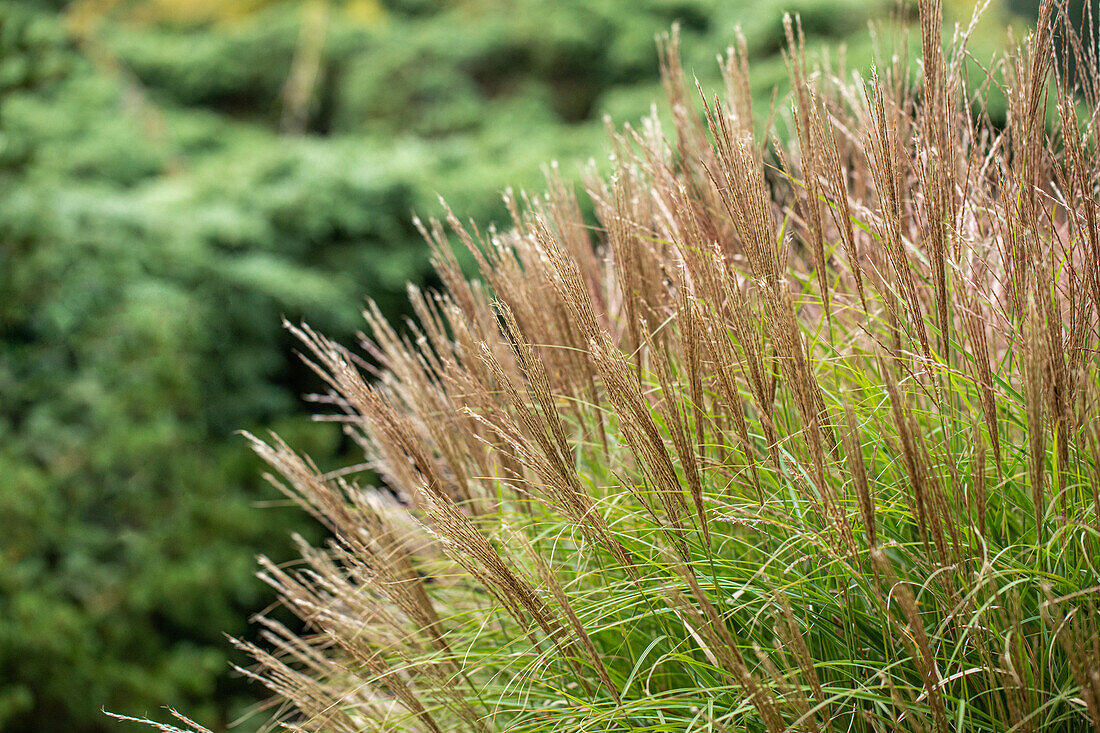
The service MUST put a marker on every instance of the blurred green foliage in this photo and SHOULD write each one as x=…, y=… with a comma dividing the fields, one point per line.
x=155, y=226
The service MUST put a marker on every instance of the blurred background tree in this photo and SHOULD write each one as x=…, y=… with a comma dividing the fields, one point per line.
x=178, y=175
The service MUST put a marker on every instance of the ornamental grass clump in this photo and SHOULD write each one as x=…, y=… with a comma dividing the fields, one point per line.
x=803, y=435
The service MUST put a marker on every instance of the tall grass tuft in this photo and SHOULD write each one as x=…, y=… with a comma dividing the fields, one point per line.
x=803, y=436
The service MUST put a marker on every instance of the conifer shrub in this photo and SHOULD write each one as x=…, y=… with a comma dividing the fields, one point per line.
x=800, y=436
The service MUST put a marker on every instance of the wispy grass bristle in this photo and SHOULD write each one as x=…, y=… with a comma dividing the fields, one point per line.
x=805, y=435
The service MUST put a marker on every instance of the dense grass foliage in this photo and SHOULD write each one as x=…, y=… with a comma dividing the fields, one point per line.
x=805, y=436
x=166, y=195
